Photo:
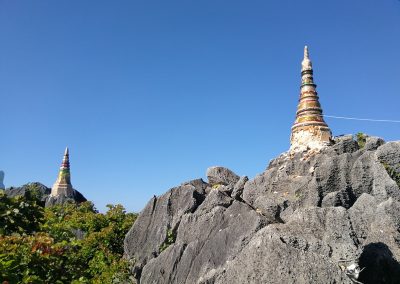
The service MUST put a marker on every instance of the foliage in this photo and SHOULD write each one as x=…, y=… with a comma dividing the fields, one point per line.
x=361, y=139
x=394, y=175
x=216, y=186
x=21, y=214
x=169, y=240
x=62, y=244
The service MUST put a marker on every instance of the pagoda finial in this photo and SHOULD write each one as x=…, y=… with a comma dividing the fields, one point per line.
x=66, y=153
x=306, y=64
x=306, y=54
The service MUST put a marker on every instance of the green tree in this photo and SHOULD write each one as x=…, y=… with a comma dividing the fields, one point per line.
x=62, y=244
x=21, y=214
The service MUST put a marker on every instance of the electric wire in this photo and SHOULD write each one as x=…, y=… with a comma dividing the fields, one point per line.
x=362, y=119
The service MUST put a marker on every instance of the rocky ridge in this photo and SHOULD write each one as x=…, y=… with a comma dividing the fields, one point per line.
x=44, y=193
x=327, y=216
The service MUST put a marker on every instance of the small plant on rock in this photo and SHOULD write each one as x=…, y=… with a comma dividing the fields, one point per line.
x=361, y=139
x=169, y=240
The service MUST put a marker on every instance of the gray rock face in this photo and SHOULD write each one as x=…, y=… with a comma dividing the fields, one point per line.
x=389, y=155
x=303, y=220
x=161, y=216
x=62, y=199
x=43, y=190
x=222, y=176
x=373, y=143
x=44, y=193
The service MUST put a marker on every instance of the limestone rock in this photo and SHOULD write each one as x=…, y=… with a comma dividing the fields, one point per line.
x=389, y=155
x=345, y=144
x=221, y=176
x=206, y=240
x=239, y=187
x=303, y=220
x=162, y=215
x=76, y=197
x=43, y=190
x=373, y=143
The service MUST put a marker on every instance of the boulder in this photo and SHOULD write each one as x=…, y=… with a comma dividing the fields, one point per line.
x=373, y=143
x=239, y=187
x=221, y=176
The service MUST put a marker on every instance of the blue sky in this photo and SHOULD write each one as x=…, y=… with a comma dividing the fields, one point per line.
x=148, y=94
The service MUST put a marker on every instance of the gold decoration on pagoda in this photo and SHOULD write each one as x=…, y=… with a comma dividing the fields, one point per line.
x=309, y=129
x=63, y=185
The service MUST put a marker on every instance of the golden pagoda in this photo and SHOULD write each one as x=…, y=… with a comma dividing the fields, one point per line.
x=63, y=185
x=309, y=131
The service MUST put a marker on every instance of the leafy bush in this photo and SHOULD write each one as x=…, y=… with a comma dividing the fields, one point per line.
x=170, y=239
x=21, y=214
x=392, y=173
x=361, y=139
x=62, y=244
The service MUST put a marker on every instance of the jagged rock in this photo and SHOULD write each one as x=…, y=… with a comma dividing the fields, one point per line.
x=389, y=154
x=160, y=216
x=306, y=219
x=304, y=250
x=62, y=199
x=239, y=187
x=206, y=240
x=221, y=176
x=342, y=198
x=376, y=226
x=43, y=190
x=373, y=143
x=345, y=144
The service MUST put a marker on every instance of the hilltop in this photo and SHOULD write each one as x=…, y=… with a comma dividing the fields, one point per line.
x=328, y=215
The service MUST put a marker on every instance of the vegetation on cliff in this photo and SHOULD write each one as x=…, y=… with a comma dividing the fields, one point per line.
x=62, y=244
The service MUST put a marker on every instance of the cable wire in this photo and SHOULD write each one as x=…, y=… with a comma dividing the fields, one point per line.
x=362, y=119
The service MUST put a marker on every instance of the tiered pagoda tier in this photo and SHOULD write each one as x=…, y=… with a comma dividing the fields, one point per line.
x=309, y=131
x=63, y=185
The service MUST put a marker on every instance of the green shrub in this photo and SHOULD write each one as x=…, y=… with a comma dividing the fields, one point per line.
x=42, y=245
x=168, y=241
x=21, y=214
x=361, y=139
x=392, y=173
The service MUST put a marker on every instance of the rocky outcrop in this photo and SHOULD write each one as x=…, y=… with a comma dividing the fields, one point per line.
x=310, y=217
x=42, y=190
x=2, y=186
x=60, y=199
x=44, y=193
x=221, y=176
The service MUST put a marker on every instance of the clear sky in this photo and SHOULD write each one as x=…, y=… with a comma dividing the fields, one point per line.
x=148, y=94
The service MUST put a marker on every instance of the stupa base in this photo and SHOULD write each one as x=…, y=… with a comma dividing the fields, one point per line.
x=310, y=138
x=62, y=189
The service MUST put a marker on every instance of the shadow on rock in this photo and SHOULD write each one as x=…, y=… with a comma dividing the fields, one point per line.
x=380, y=265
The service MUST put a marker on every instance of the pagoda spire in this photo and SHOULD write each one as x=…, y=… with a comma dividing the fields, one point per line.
x=63, y=185
x=309, y=130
